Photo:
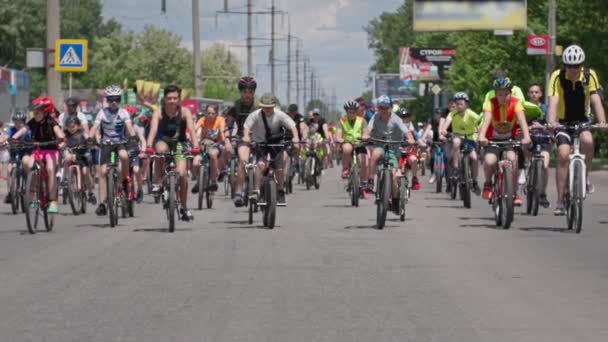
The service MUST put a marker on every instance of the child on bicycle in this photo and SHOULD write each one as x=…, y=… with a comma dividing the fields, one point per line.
x=18, y=133
x=409, y=154
x=78, y=152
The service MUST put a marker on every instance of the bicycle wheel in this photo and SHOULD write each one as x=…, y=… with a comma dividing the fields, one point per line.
x=149, y=178
x=49, y=218
x=454, y=185
x=202, y=174
x=232, y=176
x=73, y=193
x=402, y=197
x=465, y=190
x=507, y=196
x=270, y=193
x=577, y=199
x=111, y=198
x=318, y=172
x=497, y=203
x=83, y=201
x=208, y=194
x=13, y=190
x=32, y=205
x=382, y=202
x=537, y=185
x=422, y=167
x=171, y=209
x=354, y=186
x=308, y=172
x=438, y=173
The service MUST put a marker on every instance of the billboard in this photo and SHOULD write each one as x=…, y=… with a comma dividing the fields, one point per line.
x=424, y=64
x=393, y=86
x=441, y=15
x=538, y=45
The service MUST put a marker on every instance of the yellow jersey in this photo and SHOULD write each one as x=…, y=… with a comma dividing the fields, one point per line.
x=574, y=95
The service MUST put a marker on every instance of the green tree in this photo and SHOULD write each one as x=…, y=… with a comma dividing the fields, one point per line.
x=223, y=70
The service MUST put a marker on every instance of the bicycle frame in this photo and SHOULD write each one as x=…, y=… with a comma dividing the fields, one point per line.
x=577, y=157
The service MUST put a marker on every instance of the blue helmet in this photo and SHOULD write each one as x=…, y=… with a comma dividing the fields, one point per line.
x=384, y=101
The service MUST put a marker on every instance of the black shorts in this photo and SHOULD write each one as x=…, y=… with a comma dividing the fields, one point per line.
x=104, y=152
x=563, y=137
x=358, y=149
x=496, y=151
x=275, y=152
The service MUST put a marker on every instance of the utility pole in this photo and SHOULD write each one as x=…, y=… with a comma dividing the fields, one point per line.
x=312, y=85
x=249, y=46
x=298, y=73
x=53, y=79
x=272, y=61
x=196, y=55
x=288, y=60
x=552, y=37
x=305, y=84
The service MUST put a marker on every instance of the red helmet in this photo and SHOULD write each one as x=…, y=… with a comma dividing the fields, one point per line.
x=130, y=109
x=44, y=103
x=247, y=82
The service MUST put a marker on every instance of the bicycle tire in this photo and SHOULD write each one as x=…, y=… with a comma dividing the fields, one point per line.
x=308, y=173
x=208, y=193
x=383, y=200
x=270, y=210
x=497, y=204
x=438, y=173
x=48, y=218
x=538, y=185
x=124, y=199
x=530, y=187
x=83, y=201
x=73, y=190
x=402, y=198
x=355, y=186
x=507, y=196
x=111, y=198
x=13, y=190
x=453, y=187
x=577, y=199
x=31, y=200
x=150, y=176
x=317, y=177
x=171, y=209
x=465, y=190
x=201, y=185
x=232, y=176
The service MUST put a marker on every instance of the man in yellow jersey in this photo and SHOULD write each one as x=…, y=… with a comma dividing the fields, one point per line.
x=573, y=89
x=464, y=122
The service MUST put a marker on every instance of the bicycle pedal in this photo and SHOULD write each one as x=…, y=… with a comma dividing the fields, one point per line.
x=261, y=204
x=282, y=205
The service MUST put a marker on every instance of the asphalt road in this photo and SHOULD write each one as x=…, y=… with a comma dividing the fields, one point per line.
x=324, y=274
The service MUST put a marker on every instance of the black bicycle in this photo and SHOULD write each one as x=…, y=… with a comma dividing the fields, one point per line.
x=385, y=180
x=269, y=193
x=534, y=187
x=17, y=178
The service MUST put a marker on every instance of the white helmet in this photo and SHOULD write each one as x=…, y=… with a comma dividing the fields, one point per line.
x=113, y=90
x=573, y=55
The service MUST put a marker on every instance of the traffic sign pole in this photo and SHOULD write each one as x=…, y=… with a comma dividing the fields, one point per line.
x=70, y=85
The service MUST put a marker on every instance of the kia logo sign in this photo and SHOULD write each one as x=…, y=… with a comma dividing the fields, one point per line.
x=538, y=41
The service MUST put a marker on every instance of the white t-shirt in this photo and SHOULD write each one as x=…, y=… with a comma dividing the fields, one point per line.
x=276, y=122
x=64, y=117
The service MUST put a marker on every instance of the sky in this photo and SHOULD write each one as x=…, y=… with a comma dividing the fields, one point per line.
x=332, y=33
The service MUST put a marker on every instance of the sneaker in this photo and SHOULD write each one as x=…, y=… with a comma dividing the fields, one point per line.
x=522, y=177
x=140, y=196
x=195, y=188
x=155, y=188
x=52, y=208
x=590, y=187
x=559, y=209
x=92, y=199
x=344, y=173
x=487, y=191
x=415, y=183
x=476, y=188
x=212, y=186
x=543, y=201
x=365, y=194
x=517, y=201
x=432, y=179
x=238, y=200
x=186, y=215
x=281, y=196
x=101, y=210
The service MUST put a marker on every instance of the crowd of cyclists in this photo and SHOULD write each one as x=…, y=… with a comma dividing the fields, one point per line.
x=250, y=130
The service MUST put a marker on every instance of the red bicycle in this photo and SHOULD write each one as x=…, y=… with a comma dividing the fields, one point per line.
x=37, y=191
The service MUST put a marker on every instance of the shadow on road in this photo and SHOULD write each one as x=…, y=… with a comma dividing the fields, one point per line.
x=440, y=199
x=548, y=229
x=445, y=206
x=370, y=226
x=97, y=225
x=253, y=227
x=231, y=222
x=476, y=218
x=160, y=230
x=483, y=225
x=337, y=206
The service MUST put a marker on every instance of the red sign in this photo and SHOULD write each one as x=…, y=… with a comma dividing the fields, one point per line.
x=538, y=45
x=4, y=74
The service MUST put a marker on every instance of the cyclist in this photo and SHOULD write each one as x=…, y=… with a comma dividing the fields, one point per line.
x=137, y=151
x=44, y=129
x=324, y=131
x=515, y=91
x=268, y=124
x=111, y=123
x=350, y=131
x=19, y=132
x=386, y=125
x=573, y=89
x=212, y=127
x=238, y=114
x=463, y=122
x=432, y=132
x=71, y=105
x=409, y=154
x=170, y=124
x=364, y=110
x=502, y=116
x=535, y=94
x=293, y=113
x=75, y=136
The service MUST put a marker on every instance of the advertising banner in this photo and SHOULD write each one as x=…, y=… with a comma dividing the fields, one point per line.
x=441, y=15
x=393, y=86
x=538, y=45
x=422, y=64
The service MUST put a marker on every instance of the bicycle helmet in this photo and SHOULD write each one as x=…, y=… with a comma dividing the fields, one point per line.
x=72, y=119
x=113, y=90
x=384, y=101
x=130, y=109
x=350, y=105
x=292, y=108
x=403, y=113
x=71, y=101
x=44, y=103
x=502, y=83
x=19, y=116
x=573, y=55
x=461, y=96
x=247, y=82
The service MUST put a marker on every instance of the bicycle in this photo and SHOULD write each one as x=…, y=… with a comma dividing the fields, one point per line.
x=291, y=169
x=204, y=179
x=115, y=194
x=354, y=176
x=438, y=164
x=576, y=182
x=385, y=177
x=231, y=177
x=313, y=167
x=76, y=180
x=502, y=183
x=269, y=190
x=534, y=187
x=404, y=185
x=170, y=186
x=17, y=179
x=462, y=178
x=37, y=190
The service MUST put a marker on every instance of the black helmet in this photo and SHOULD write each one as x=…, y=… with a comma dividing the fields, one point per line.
x=72, y=119
x=71, y=101
x=247, y=82
x=403, y=113
x=292, y=108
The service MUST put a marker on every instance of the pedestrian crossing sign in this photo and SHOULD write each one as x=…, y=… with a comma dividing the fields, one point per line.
x=71, y=55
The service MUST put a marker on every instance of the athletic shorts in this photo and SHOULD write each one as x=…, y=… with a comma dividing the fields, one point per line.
x=105, y=151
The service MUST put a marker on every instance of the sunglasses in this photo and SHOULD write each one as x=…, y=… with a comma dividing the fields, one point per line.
x=573, y=66
x=113, y=98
